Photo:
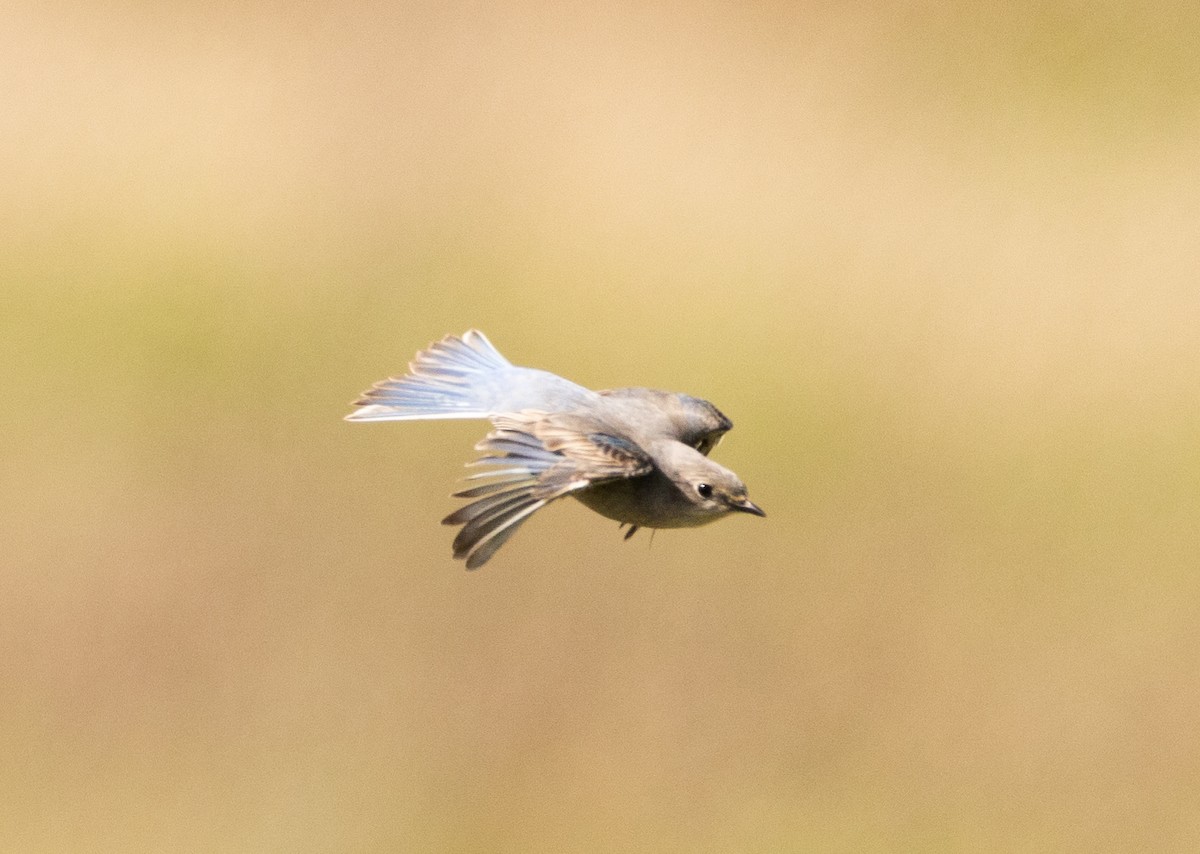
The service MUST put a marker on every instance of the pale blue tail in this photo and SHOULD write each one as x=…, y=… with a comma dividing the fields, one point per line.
x=453, y=378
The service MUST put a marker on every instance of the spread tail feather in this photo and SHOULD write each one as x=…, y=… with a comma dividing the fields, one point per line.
x=442, y=383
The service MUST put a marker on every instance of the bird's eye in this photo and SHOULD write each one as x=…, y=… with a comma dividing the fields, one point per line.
x=704, y=489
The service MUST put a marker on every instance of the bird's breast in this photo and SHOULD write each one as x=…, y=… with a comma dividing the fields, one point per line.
x=652, y=501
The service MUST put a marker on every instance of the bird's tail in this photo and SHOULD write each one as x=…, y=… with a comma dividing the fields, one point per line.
x=448, y=379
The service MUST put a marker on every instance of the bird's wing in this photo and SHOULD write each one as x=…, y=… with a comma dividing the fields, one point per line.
x=532, y=459
x=705, y=425
x=708, y=441
x=690, y=420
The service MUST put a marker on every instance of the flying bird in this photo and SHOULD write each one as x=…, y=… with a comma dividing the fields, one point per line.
x=636, y=455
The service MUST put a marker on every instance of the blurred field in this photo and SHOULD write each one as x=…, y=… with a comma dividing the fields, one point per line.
x=940, y=264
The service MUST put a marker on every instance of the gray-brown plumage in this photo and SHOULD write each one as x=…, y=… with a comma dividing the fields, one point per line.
x=633, y=454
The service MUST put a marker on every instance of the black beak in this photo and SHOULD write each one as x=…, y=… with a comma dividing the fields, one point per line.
x=748, y=506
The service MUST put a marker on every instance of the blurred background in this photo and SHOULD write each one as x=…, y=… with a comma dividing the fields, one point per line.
x=940, y=263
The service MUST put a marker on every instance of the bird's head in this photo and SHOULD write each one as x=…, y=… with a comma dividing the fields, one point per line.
x=709, y=490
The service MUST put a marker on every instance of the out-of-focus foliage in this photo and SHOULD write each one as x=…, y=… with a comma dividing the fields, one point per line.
x=939, y=263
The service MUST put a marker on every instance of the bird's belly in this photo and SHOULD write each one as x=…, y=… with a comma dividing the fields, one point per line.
x=640, y=502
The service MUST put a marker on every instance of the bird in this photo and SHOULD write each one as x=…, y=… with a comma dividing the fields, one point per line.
x=635, y=455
